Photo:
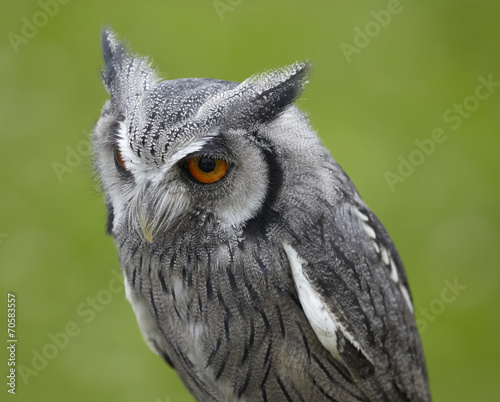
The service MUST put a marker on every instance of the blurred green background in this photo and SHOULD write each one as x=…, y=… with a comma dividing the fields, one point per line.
x=381, y=81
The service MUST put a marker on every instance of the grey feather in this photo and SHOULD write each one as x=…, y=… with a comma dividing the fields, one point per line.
x=207, y=264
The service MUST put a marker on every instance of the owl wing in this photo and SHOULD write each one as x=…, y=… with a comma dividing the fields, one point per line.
x=353, y=289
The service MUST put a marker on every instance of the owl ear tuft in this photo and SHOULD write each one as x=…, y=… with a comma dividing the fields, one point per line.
x=126, y=76
x=113, y=53
x=272, y=92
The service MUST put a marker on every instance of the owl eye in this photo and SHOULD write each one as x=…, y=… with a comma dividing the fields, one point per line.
x=119, y=162
x=206, y=169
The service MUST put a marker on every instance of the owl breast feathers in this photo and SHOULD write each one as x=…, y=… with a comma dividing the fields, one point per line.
x=252, y=264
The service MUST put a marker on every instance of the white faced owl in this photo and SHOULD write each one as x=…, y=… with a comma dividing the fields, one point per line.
x=252, y=264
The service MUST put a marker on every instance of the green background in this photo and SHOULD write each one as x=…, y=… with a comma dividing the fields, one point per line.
x=444, y=216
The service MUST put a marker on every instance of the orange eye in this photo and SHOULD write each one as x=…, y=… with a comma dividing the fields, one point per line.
x=120, y=163
x=206, y=169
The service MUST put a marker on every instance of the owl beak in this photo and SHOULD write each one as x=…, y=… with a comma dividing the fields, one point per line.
x=146, y=227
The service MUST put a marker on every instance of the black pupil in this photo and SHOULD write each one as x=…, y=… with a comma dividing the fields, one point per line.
x=206, y=164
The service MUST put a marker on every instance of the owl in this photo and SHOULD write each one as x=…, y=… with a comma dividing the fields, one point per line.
x=252, y=264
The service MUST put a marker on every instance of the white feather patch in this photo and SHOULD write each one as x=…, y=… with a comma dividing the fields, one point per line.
x=190, y=148
x=385, y=255
x=406, y=296
x=394, y=272
x=150, y=331
x=369, y=230
x=322, y=320
x=130, y=159
x=360, y=215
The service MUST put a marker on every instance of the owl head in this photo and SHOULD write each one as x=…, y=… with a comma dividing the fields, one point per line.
x=194, y=153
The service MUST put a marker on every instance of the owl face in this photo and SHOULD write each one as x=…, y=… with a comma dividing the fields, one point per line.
x=188, y=153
